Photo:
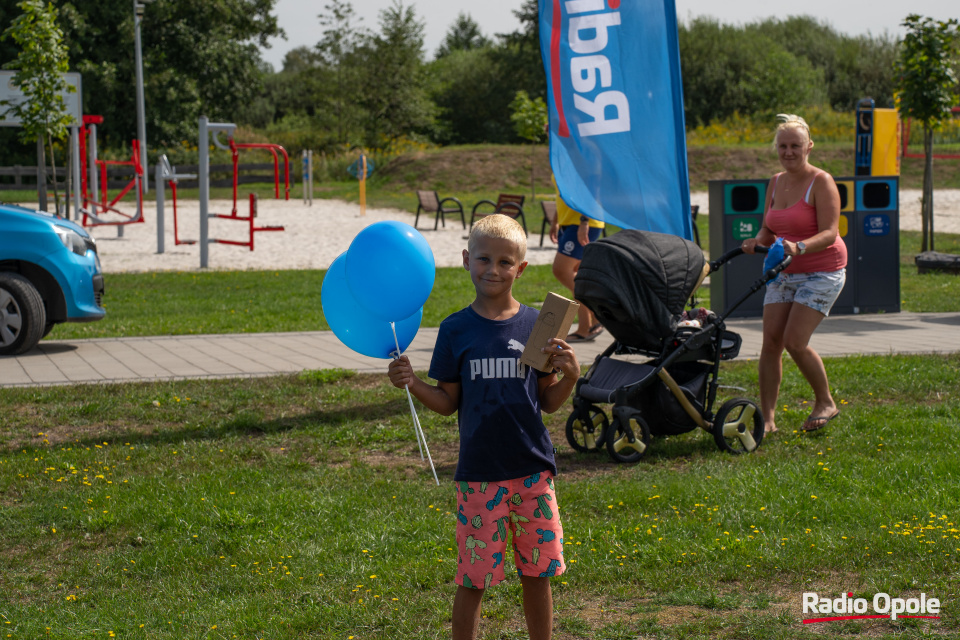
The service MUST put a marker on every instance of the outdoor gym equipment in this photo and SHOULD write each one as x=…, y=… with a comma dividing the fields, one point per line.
x=210, y=132
x=165, y=174
x=92, y=211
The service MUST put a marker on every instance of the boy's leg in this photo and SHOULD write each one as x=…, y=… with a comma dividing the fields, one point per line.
x=537, y=607
x=466, y=613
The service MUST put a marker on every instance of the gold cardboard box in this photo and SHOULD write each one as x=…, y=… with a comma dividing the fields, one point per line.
x=556, y=316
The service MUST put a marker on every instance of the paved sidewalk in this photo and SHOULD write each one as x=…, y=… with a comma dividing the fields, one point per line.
x=110, y=360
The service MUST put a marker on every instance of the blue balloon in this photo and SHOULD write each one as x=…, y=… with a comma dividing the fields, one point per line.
x=359, y=330
x=390, y=270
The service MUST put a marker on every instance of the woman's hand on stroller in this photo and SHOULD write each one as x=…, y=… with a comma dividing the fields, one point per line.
x=749, y=245
x=563, y=358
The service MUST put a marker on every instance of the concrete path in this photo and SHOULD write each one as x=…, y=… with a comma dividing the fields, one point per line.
x=110, y=360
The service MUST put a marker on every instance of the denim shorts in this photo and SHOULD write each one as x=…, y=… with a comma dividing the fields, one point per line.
x=569, y=245
x=817, y=290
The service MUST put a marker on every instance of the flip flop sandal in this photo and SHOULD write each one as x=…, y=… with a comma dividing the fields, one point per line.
x=576, y=337
x=817, y=423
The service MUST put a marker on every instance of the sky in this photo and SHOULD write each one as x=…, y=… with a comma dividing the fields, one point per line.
x=298, y=18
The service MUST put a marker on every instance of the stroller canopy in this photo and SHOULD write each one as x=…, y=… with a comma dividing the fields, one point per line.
x=637, y=283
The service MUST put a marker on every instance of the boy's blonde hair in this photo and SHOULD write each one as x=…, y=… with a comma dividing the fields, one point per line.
x=499, y=226
x=791, y=121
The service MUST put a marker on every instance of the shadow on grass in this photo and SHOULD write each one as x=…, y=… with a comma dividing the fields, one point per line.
x=247, y=422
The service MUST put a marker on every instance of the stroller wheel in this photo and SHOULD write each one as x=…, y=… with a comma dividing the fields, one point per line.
x=738, y=426
x=586, y=429
x=627, y=441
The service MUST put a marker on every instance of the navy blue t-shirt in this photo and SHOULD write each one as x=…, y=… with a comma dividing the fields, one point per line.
x=502, y=435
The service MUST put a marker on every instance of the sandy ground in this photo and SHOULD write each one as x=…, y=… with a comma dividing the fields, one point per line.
x=315, y=235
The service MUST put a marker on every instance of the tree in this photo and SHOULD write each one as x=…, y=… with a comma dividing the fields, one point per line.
x=927, y=85
x=199, y=57
x=394, y=91
x=519, y=53
x=727, y=71
x=337, y=48
x=41, y=65
x=464, y=35
x=530, y=120
x=473, y=103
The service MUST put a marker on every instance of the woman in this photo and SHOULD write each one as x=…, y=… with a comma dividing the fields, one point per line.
x=572, y=232
x=803, y=208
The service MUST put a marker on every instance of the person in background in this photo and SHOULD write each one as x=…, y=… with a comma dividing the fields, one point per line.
x=803, y=208
x=572, y=232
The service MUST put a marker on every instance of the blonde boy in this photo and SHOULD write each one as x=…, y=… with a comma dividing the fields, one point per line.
x=504, y=476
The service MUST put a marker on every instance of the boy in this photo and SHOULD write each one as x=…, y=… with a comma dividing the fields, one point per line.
x=505, y=472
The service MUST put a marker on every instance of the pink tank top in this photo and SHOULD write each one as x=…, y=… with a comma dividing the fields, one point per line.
x=799, y=222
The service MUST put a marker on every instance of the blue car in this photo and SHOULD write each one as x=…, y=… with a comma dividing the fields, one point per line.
x=49, y=273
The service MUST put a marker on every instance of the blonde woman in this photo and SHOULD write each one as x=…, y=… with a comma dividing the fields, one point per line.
x=803, y=208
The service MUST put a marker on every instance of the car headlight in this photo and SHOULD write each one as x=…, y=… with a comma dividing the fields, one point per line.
x=71, y=240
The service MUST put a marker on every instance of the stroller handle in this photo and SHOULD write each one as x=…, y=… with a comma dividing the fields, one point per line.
x=733, y=253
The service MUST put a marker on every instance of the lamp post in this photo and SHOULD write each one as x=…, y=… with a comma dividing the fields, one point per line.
x=138, y=7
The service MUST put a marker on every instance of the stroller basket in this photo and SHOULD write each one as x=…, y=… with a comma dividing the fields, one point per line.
x=665, y=414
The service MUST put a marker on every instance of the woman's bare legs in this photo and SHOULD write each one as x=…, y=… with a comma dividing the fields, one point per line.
x=789, y=326
x=770, y=368
x=802, y=323
x=565, y=270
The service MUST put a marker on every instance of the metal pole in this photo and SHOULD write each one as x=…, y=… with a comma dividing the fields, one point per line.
x=204, y=179
x=76, y=167
x=160, y=187
x=94, y=177
x=41, y=176
x=141, y=116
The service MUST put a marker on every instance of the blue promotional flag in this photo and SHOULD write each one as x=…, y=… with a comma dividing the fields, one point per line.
x=617, y=137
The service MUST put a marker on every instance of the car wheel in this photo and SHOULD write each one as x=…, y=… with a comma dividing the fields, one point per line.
x=22, y=316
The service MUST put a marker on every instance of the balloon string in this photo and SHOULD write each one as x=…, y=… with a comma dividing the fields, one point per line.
x=416, y=421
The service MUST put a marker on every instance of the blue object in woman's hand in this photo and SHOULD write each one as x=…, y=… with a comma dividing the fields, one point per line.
x=774, y=255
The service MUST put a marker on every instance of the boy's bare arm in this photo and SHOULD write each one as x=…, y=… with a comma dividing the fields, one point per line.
x=555, y=391
x=443, y=398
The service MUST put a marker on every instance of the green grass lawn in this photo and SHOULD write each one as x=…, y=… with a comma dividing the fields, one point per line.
x=298, y=507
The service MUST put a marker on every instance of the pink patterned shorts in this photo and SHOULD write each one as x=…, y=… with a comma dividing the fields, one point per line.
x=527, y=508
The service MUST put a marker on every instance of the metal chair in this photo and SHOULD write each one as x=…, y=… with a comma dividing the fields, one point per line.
x=430, y=202
x=507, y=204
x=549, y=208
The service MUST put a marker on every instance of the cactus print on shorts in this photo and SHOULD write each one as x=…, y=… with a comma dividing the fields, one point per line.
x=486, y=511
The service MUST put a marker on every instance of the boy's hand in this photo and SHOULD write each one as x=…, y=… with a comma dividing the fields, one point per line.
x=563, y=358
x=401, y=372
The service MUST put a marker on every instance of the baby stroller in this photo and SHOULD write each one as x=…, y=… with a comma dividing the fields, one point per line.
x=660, y=374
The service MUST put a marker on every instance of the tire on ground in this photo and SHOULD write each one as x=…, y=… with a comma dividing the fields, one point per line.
x=22, y=315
